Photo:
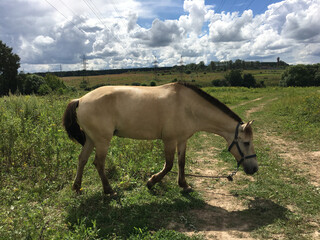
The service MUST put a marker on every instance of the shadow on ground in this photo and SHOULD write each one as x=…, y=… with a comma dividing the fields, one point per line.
x=119, y=217
x=260, y=213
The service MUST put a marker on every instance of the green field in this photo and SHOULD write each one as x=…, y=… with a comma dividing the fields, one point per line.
x=38, y=164
x=203, y=79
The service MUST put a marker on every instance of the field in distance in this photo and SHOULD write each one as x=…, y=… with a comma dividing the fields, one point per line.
x=270, y=77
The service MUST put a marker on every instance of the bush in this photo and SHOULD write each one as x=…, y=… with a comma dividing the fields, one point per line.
x=234, y=78
x=32, y=84
x=219, y=83
x=84, y=84
x=44, y=89
x=249, y=80
x=153, y=84
x=301, y=75
x=54, y=82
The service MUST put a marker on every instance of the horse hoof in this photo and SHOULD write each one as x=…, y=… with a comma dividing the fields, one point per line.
x=149, y=185
x=77, y=189
x=187, y=189
x=113, y=195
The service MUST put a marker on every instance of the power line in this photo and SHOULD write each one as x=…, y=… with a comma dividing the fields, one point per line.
x=248, y=5
x=65, y=17
x=221, y=5
x=100, y=19
x=94, y=12
x=68, y=8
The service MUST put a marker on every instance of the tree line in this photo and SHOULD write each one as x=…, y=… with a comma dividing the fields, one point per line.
x=44, y=83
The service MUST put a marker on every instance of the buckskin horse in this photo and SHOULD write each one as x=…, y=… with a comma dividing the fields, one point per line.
x=171, y=112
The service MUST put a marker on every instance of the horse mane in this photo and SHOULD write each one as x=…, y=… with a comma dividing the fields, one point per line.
x=212, y=100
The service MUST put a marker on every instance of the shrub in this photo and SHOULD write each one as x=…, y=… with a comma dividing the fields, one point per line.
x=301, y=75
x=219, y=83
x=54, y=82
x=249, y=80
x=234, y=78
x=32, y=84
x=153, y=84
x=44, y=89
x=84, y=84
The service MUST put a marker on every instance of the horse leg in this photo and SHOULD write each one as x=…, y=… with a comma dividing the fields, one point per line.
x=99, y=162
x=83, y=158
x=169, y=149
x=182, y=146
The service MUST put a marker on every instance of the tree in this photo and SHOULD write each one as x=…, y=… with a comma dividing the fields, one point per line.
x=299, y=75
x=32, y=84
x=212, y=66
x=9, y=64
x=249, y=80
x=234, y=78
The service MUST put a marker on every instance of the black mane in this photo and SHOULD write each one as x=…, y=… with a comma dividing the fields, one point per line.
x=212, y=100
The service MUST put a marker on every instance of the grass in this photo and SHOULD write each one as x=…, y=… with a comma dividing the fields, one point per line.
x=38, y=164
x=203, y=79
x=294, y=116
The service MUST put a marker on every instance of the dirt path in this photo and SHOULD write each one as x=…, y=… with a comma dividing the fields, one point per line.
x=225, y=216
x=308, y=163
x=259, y=107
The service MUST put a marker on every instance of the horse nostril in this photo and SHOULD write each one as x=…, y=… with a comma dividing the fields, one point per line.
x=255, y=169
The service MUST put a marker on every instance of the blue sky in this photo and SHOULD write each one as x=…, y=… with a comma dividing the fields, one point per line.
x=47, y=34
x=175, y=10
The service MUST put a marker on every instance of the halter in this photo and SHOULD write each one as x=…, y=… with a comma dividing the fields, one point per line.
x=235, y=142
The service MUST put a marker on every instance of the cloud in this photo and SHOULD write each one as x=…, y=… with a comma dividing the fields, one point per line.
x=303, y=25
x=132, y=21
x=128, y=33
x=193, y=22
x=64, y=45
x=160, y=34
x=231, y=27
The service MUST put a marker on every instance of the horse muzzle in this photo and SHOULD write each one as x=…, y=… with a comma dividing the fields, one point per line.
x=250, y=166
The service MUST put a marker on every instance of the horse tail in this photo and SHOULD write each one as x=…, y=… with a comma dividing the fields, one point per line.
x=70, y=123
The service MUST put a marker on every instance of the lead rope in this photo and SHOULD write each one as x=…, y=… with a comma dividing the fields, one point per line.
x=229, y=177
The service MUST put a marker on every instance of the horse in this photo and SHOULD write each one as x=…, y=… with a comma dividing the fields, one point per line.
x=172, y=112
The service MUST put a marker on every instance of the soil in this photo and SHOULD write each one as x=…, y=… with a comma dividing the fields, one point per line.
x=225, y=215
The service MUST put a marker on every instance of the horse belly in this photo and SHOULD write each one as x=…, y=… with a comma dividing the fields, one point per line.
x=137, y=123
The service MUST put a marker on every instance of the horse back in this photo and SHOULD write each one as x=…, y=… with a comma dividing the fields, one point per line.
x=134, y=112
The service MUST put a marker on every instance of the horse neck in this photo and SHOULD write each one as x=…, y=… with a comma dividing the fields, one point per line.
x=214, y=120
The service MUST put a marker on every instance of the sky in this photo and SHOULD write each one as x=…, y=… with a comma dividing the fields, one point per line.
x=54, y=35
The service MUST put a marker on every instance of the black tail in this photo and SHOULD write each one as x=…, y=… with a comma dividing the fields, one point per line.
x=69, y=122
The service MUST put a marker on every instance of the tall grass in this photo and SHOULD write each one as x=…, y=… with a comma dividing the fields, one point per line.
x=37, y=166
x=297, y=111
x=33, y=146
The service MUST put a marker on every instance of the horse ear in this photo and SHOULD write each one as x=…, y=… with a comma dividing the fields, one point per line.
x=248, y=124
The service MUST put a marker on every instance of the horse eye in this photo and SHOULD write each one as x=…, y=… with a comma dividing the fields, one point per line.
x=246, y=143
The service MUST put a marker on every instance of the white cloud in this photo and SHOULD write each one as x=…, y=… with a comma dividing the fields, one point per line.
x=160, y=34
x=116, y=38
x=193, y=22
x=231, y=27
x=43, y=40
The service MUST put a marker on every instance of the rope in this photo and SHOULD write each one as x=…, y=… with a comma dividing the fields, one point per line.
x=229, y=177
